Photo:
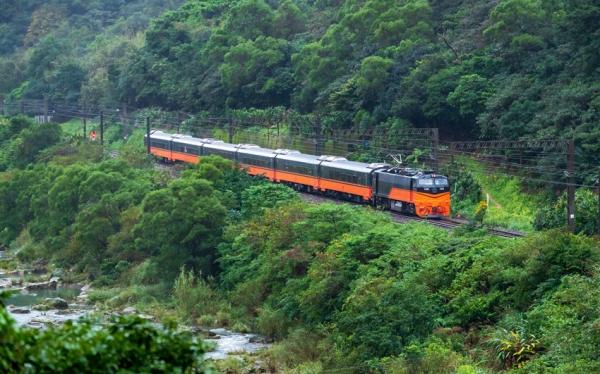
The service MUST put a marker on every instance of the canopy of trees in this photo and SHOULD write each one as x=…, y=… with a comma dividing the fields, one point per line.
x=475, y=69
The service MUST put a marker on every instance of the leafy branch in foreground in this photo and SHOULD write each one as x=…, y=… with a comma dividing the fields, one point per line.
x=125, y=344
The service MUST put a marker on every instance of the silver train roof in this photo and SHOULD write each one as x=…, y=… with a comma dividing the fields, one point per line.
x=283, y=154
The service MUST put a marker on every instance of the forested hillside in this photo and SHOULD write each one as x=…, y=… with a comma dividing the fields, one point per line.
x=473, y=68
x=69, y=50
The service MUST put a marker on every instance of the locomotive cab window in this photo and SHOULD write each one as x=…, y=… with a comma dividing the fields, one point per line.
x=425, y=182
x=441, y=182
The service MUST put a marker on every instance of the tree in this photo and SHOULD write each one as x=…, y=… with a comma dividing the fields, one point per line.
x=181, y=225
x=44, y=21
x=28, y=144
x=374, y=71
x=256, y=199
x=288, y=20
x=555, y=215
x=250, y=19
x=255, y=70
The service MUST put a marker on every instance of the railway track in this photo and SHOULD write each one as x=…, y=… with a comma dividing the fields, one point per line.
x=448, y=223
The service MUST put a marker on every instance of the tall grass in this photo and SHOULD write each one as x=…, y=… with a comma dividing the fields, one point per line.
x=194, y=297
x=509, y=205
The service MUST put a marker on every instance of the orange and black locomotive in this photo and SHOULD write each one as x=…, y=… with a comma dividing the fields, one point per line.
x=412, y=191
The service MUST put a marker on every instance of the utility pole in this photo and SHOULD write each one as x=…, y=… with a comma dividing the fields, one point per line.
x=598, y=223
x=436, y=145
x=45, y=110
x=571, y=185
x=318, y=134
x=148, y=145
x=102, y=128
x=178, y=122
x=230, y=130
x=84, y=128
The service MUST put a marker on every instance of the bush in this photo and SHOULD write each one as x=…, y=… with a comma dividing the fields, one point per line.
x=256, y=199
x=586, y=210
x=272, y=323
x=125, y=344
x=554, y=255
x=194, y=297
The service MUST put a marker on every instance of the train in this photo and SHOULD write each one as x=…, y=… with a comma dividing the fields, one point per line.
x=406, y=190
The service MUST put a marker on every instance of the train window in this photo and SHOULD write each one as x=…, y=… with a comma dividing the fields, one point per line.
x=159, y=144
x=345, y=176
x=426, y=182
x=218, y=152
x=295, y=167
x=441, y=182
x=180, y=148
x=255, y=161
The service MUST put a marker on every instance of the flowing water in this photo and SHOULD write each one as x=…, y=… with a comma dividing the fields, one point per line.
x=229, y=343
x=31, y=298
x=21, y=303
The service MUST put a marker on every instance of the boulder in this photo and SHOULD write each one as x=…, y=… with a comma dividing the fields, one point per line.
x=86, y=288
x=49, y=285
x=129, y=310
x=56, y=303
x=20, y=311
x=41, y=320
x=5, y=283
x=257, y=339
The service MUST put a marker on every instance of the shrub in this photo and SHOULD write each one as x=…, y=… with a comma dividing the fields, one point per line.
x=256, y=199
x=555, y=216
x=554, y=255
x=272, y=322
x=514, y=348
x=194, y=297
x=125, y=344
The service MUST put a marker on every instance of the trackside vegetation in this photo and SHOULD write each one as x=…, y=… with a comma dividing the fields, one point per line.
x=336, y=287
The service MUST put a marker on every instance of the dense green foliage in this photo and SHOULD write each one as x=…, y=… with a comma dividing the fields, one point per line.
x=337, y=286
x=586, y=208
x=126, y=344
x=509, y=69
x=376, y=289
x=21, y=141
x=70, y=50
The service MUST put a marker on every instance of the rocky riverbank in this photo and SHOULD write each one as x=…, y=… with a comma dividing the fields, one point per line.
x=40, y=299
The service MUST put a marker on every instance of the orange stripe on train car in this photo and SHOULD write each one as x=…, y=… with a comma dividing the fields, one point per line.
x=297, y=178
x=160, y=152
x=257, y=170
x=350, y=188
x=186, y=157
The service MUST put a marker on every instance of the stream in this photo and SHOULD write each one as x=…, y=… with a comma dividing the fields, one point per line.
x=229, y=343
x=22, y=307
